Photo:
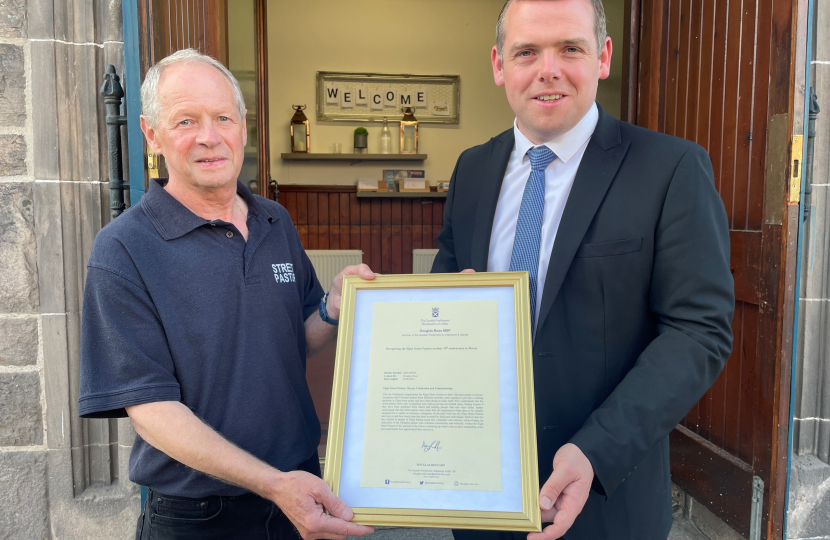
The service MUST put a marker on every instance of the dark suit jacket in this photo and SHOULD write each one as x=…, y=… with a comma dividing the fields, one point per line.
x=635, y=317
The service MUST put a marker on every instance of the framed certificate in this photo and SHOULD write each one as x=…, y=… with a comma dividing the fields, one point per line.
x=432, y=419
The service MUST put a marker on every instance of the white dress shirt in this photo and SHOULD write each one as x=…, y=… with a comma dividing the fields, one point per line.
x=559, y=177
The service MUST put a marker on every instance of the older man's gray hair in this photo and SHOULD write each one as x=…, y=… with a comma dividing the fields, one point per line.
x=150, y=105
x=600, y=24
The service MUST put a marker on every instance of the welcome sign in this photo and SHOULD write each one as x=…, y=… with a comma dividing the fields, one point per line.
x=370, y=97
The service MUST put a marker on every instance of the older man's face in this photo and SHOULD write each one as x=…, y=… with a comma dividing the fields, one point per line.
x=550, y=66
x=200, y=132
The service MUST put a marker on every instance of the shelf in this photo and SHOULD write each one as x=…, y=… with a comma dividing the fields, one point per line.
x=352, y=158
x=401, y=195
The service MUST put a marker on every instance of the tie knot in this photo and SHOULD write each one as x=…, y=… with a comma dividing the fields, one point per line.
x=540, y=157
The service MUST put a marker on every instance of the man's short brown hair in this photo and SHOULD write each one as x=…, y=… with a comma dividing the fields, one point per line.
x=600, y=24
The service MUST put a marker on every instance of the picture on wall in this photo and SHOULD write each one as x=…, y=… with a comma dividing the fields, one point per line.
x=371, y=97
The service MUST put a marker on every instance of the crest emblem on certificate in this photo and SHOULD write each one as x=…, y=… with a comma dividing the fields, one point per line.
x=435, y=312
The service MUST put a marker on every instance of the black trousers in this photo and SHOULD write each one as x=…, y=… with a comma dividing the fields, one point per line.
x=245, y=517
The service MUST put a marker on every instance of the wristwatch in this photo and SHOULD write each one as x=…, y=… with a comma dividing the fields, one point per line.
x=324, y=314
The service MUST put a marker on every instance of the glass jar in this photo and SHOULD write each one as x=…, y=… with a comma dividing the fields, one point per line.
x=385, y=138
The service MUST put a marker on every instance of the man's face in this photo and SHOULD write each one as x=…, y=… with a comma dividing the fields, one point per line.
x=199, y=132
x=550, y=66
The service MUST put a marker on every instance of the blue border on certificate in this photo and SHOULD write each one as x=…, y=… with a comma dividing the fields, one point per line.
x=509, y=499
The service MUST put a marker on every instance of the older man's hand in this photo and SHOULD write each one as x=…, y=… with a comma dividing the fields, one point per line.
x=333, y=302
x=311, y=506
x=564, y=494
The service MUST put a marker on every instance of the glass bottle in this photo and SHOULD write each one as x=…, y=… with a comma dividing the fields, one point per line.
x=385, y=138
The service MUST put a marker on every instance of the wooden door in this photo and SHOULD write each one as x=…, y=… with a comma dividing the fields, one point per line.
x=173, y=25
x=167, y=26
x=724, y=74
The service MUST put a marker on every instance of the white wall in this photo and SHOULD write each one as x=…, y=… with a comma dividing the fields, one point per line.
x=441, y=37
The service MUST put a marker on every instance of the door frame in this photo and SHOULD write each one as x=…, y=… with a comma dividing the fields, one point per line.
x=267, y=186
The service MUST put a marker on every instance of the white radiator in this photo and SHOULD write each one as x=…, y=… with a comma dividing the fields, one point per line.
x=328, y=263
x=422, y=260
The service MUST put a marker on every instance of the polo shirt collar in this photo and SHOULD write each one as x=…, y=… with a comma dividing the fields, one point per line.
x=565, y=145
x=173, y=220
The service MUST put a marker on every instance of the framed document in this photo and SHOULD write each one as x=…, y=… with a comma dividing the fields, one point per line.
x=432, y=420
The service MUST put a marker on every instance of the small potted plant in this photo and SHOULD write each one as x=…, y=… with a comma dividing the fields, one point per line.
x=361, y=140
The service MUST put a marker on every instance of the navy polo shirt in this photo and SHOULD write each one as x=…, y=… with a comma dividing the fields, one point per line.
x=178, y=308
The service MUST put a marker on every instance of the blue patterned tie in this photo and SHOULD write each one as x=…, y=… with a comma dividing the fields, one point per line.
x=529, y=226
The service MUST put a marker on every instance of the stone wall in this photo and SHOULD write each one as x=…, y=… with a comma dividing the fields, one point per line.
x=809, y=515
x=60, y=476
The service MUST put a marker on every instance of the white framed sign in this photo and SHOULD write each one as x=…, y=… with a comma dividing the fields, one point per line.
x=369, y=97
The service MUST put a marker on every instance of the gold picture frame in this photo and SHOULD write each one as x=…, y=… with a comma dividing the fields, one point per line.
x=528, y=518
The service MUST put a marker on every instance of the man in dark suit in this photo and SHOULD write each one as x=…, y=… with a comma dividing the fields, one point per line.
x=626, y=243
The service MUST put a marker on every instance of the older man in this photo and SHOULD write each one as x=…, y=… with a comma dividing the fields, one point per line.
x=626, y=244
x=199, y=311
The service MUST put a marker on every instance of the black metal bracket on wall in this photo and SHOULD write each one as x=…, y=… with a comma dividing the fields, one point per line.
x=811, y=135
x=113, y=93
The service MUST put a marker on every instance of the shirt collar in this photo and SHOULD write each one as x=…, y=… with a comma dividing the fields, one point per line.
x=173, y=220
x=567, y=144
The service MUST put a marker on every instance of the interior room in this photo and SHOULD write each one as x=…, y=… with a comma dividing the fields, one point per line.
x=432, y=37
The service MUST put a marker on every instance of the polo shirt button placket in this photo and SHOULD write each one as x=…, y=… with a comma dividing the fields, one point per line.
x=229, y=234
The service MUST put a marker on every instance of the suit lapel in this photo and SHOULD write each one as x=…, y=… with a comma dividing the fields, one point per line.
x=492, y=176
x=597, y=169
